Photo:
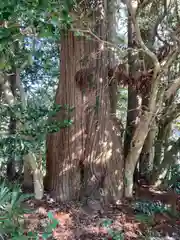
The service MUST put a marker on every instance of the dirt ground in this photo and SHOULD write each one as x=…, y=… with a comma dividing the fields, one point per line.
x=75, y=224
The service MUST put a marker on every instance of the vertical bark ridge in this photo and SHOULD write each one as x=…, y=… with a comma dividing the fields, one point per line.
x=64, y=147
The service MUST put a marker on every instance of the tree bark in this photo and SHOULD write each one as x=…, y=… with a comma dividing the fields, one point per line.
x=168, y=160
x=147, y=156
x=103, y=159
x=147, y=115
x=11, y=171
x=133, y=107
x=90, y=163
x=65, y=148
x=133, y=155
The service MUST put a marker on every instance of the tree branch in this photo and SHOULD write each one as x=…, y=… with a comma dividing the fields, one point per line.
x=21, y=89
x=169, y=59
x=139, y=38
x=172, y=88
x=156, y=70
x=144, y=4
x=171, y=113
x=158, y=21
x=168, y=159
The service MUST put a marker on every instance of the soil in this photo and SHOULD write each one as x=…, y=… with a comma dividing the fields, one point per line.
x=74, y=224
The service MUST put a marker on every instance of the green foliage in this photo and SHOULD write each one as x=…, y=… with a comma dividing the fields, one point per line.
x=122, y=104
x=47, y=233
x=34, y=19
x=144, y=218
x=35, y=126
x=174, y=182
x=113, y=234
x=12, y=215
x=149, y=208
x=52, y=225
x=150, y=234
x=11, y=210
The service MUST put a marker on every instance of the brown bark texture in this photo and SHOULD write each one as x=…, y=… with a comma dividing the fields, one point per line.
x=85, y=160
x=65, y=148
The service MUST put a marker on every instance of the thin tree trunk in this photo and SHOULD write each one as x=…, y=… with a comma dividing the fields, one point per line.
x=133, y=98
x=147, y=155
x=168, y=160
x=161, y=143
x=33, y=176
x=147, y=115
x=134, y=101
x=160, y=151
x=11, y=171
x=136, y=148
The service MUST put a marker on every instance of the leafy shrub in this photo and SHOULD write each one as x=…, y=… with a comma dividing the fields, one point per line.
x=47, y=231
x=113, y=234
x=144, y=218
x=12, y=215
x=174, y=181
x=11, y=211
x=149, y=208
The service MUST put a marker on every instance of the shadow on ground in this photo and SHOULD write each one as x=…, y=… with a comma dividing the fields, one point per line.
x=74, y=224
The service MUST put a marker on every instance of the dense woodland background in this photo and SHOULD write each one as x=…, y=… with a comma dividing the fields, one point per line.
x=89, y=103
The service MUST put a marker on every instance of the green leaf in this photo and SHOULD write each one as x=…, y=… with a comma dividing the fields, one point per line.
x=107, y=223
x=2, y=64
x=19, y=238
x=31, y=234
x=46, y=235
x=30, y=59
x=55, y=21
x=4, y=33
x=50, y=215
x=53, y=225
x=45, y=33
x=78, y=34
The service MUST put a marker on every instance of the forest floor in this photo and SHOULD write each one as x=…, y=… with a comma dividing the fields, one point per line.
x=117, y=222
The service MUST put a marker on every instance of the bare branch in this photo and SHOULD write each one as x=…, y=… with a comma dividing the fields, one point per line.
x=141, y=42
x=177, y=11
x=158, y=21
x=144, y=4
x=166, y=63
x=98, y=39
x=156, y=70
x=173, y=88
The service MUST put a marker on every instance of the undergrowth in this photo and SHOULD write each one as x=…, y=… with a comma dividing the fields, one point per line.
x=112, y=234
x=12, y=225
x=12, y=222
x=149, y=208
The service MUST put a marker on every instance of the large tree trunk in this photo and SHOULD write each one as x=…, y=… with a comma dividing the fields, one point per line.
x=86, y=158
x=65, y=148
x=103, y=161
